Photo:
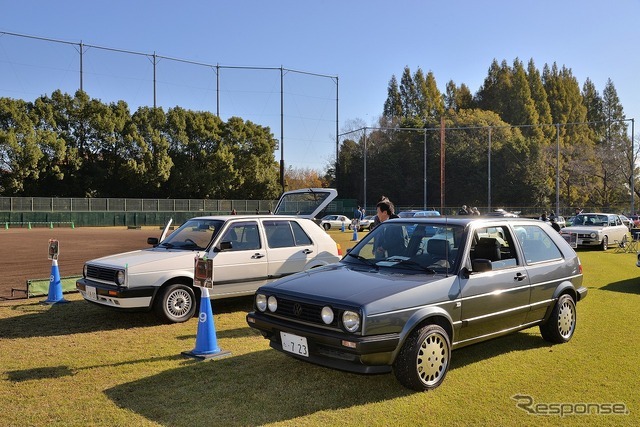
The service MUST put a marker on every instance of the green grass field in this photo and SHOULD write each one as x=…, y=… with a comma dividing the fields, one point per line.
x=78, y=364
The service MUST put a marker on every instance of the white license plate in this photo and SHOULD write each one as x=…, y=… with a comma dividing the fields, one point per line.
x=294, y=344
x=90, y=292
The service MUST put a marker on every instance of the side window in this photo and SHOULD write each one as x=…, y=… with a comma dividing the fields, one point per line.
x=300, y=236
x=279, y=234
x=537, y=245
x=243, y=236
x=495, y=244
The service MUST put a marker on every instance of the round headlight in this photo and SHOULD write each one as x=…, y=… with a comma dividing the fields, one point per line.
x=273, y=303
x=351, y=321
x=84, y=271
x=593, y=235
x=327, y=315
x=261, y=302
x=120, y=277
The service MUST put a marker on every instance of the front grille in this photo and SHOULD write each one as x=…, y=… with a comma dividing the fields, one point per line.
x=101, y=273
x=298, y=310
x=304, y=312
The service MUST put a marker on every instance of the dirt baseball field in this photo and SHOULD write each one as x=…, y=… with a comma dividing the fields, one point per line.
x=24, y=252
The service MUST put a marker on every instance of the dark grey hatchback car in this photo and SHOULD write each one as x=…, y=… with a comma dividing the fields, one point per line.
x=414, y=289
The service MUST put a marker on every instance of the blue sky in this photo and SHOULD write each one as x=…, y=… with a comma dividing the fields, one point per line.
x=361, y=42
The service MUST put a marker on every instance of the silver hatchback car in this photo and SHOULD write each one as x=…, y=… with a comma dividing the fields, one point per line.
x=414, y=289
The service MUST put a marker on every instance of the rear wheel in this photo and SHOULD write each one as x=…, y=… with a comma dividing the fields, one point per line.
x=423, y=361
x=326, y=226
x=562, y=322
x=176, y=303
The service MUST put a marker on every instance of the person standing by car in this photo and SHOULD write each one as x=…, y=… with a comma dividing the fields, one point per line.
x=463, y=210
x=376, y=218
x=389, y=243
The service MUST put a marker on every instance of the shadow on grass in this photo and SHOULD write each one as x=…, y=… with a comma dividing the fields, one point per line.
x=47, y=372
x=629, y=286
x=519, y=341
x=267, y=386
x=80, y=316
x=252, y=389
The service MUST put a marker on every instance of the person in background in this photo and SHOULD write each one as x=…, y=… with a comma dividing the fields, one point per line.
x=555, y=224
x=233, y=212
x=475, y=211
x=357, y=217
x=463, y=210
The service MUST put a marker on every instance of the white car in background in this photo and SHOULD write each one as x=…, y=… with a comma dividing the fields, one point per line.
x=247, y=251
x=595, y=229
x=334, y=221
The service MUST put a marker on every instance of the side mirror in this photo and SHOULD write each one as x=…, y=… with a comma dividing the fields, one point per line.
x=223, y=246
x=481, y=265
x=152, y=241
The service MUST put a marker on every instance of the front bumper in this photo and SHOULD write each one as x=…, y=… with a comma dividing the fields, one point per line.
x=369, y=354
x=117, y=297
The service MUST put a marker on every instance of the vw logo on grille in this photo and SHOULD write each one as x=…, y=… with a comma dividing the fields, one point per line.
x=297, y=310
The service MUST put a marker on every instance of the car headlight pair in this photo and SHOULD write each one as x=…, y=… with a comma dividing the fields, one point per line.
x=262, y=302
x=350, y=319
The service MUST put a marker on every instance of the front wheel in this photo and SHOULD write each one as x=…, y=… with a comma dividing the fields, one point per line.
x=562, y=322
x=176, y=303
x=423, y=361
x=605, y=243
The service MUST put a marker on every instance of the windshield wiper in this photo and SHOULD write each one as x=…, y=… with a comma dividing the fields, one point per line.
x=412, y=263
x=363, y=259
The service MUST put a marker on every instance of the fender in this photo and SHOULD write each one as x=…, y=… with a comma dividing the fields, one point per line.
x=437, y=315
x=564, y=287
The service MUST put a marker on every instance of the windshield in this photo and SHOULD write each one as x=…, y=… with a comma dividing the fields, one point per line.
x=195, y=234
x=590, y=219
x=420, y=246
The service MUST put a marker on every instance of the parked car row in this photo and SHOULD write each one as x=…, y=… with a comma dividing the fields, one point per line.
x=411, y=291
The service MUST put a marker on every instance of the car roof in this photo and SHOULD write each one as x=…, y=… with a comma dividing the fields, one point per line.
x=463, y=220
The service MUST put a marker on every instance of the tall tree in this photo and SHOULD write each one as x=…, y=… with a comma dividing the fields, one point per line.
x=393, y=104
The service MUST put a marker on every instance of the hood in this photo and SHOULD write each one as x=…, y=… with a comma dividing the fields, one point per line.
x=347, y=284
x=586, y=229
x=149, y=259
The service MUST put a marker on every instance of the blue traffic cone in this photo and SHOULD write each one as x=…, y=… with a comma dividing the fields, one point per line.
x=55, y=286
x=206, y=341
x=343, y=226
x=355, y=234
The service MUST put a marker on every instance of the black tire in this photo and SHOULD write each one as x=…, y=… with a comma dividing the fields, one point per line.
x=605, y=243
x=562, y=322
x=349, y=226
x=423, y=361
x=176, y=303
x=326, y=226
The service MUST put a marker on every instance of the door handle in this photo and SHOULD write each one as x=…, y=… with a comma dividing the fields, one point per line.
x=307, y=251
x=520, y=277
x=257, y=255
